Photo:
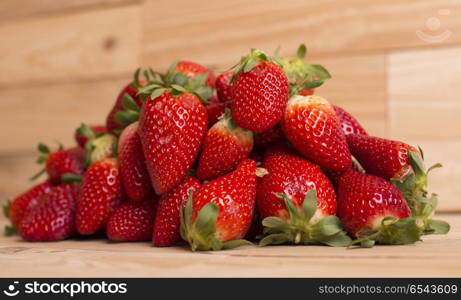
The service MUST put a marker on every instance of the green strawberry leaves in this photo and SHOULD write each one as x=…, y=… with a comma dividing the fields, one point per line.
x=393, y=231
x=44, y=151
x=301, y=74
x=130, y=112
x=6, y=208
x=299, y=228
x=301, y=52
x=250, y=61
x=8, y=230
x=414, y=189
x=176, y=83
x=201, y=234
x=85, y=131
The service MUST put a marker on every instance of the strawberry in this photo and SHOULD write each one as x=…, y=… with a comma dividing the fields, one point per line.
x=375, y=211
x=132, y=221
x=192, y=69
x=219, y=213
x=311, y=125
x=224, y=86
x=128, y=93
x=267, y=138
x=302, y=76
x=260, y=92
x=101, y=146
x=85, y=133
x=53, y=218
x=101, y=191
x=171, y=129
x=215, y=109
x=297, y=203
x=58, y=163
x=23, y=204
x=167, y=219
x=349, y=124
x=381, y=157
x=224, y=146
x=133, y=170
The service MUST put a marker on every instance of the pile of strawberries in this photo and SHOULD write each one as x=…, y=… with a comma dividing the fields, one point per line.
x=250, y=155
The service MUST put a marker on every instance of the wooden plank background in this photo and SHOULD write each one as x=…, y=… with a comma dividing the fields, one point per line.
x=396, y=65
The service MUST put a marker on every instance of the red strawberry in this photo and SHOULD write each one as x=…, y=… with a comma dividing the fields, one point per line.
x=132, y=221
x=374, y=210
x=167, y=219
x=25, y=202
x=219, y=213
x=297, y=202
x=63, y=161
x=129, y=91
x=171, y=131
x=191, y=69
x=311, y=125
x=381, y=157
x=267, y=138
x=349, y=124
x=85, y=133
x=224, y=86
x=53, y=218
x=133, y=170
x=215, y=109
x=260, y=92
x=101, y=191
x=224, y=146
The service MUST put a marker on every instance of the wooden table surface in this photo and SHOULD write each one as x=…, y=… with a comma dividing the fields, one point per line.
x=437, y=256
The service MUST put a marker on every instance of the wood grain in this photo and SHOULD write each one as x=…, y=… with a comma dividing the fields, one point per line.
x=84, y=45
x=437, y=256
x=358, y=84
x=424, y=109
x=15, y=172
x=25, y=8
x=220, y=30
x=424, y=94
x=50, y=113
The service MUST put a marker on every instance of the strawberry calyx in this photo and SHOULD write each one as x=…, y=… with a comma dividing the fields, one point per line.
x=201, y=234
x=300, y=228
x=100, y=147
x=392, y=231
x=248, y=62
x=8, y=230
x=301, y=74
x=414, y=189
x=45, y=152
x=130, y=112
x=176, y=83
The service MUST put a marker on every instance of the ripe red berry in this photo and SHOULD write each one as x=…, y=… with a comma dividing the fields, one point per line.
x=53, y=218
